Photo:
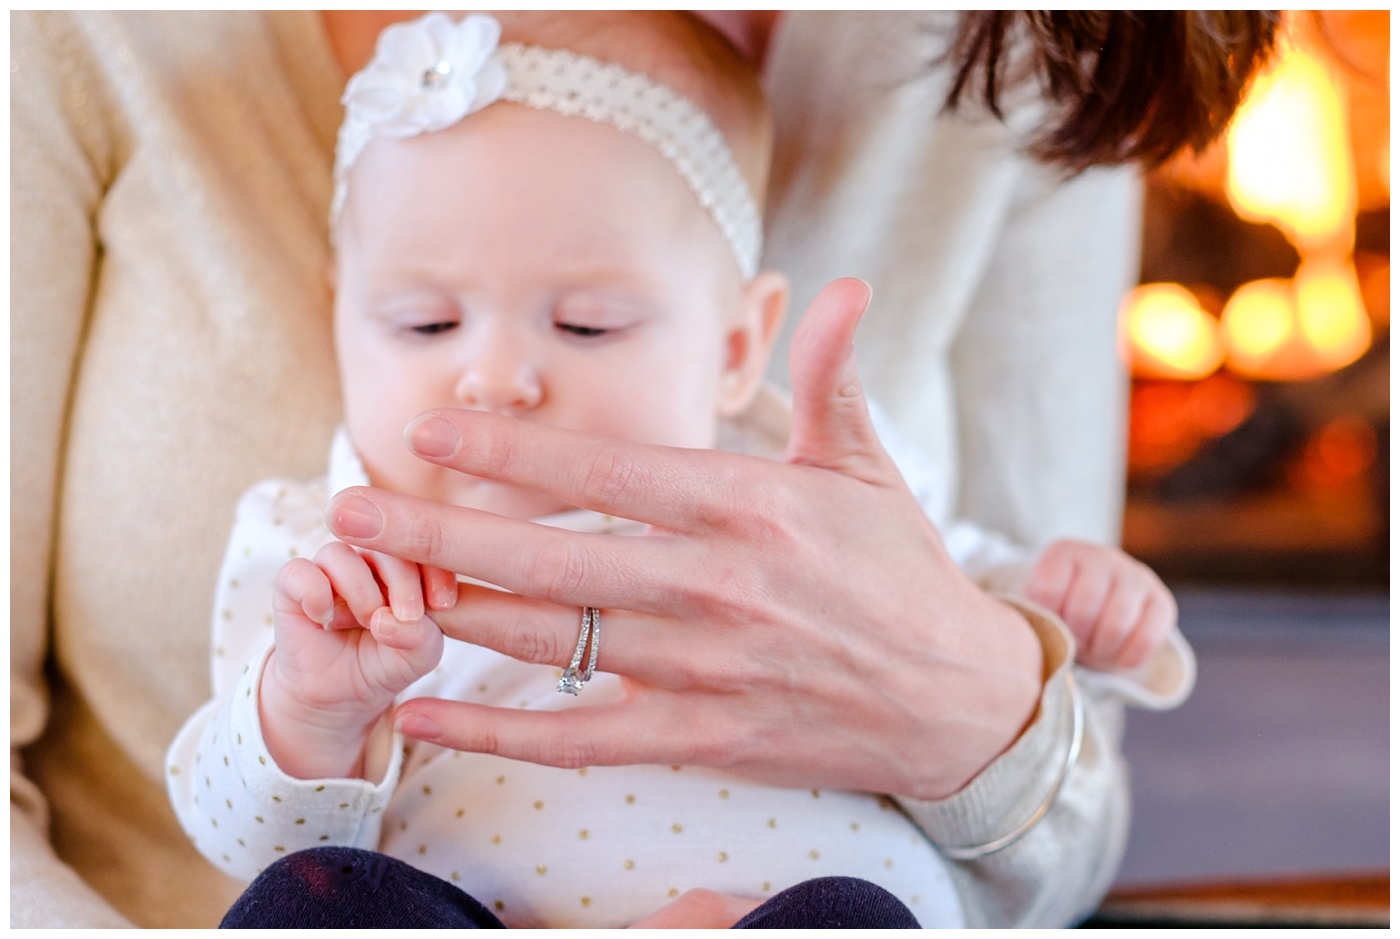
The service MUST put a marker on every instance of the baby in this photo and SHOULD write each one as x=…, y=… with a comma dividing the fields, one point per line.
x=566, y=231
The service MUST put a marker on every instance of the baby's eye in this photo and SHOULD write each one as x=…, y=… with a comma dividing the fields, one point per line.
x=432, y=329
x=586, y=332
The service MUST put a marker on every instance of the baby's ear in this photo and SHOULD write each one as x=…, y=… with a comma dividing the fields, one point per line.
x=752, y=333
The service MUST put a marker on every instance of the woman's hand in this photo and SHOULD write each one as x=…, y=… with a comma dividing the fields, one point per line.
x=797, y=621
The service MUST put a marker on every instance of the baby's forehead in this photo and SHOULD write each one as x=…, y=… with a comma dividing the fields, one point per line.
x=435, y=82
x=515, y=194
x=511, y=150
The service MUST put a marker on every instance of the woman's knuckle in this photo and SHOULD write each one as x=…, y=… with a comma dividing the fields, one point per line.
x=609, y=471
x=538, y=646
x=569, y=751
x=559, y=570
x=486, y=740
x=425, y=538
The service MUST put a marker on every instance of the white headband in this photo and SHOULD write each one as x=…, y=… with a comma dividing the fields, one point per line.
x=429, y=73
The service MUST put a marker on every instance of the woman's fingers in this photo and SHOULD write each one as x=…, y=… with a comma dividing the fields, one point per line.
x=830, y=419
x=624, y=733
x=545, y=633
x=654, y=484
x=535, y=560
x=439, y=586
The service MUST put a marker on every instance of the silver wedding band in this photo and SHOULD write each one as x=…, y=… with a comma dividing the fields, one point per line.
x=589, y=634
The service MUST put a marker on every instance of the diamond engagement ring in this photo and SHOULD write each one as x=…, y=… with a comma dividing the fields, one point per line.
x=575, y=675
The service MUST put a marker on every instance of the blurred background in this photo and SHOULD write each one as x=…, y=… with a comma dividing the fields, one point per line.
x=1259, y=480
x=1260, y=336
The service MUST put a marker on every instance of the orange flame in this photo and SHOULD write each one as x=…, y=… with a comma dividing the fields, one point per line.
x=1303, y=328
x=1289, y=154
x=1168, y=335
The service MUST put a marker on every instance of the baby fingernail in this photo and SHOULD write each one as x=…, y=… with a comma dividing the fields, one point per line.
x=355, y=516
x=408, y=612
x=431, y=435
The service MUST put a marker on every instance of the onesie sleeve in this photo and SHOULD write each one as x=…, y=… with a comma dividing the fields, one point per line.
x=242, y=811
x=233, y=801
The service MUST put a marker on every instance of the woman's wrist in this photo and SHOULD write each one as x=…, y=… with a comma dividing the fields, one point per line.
x=309, y=742
x=1008, y=799
x=1000, y=679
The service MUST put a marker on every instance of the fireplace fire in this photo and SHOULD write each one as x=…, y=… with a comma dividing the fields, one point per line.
x=1259, y=337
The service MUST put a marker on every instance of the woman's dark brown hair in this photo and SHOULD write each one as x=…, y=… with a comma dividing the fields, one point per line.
x=1126, y=86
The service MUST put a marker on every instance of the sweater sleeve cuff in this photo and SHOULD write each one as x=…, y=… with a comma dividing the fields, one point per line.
x=1161, y=683
x=1007, y=798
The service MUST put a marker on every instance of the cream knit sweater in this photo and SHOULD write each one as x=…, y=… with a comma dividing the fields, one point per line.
x=170, y=345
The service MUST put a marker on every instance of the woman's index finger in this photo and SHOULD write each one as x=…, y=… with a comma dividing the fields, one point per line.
x=575, y=568
x=657, y=485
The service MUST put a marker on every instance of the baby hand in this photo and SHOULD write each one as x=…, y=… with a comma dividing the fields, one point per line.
x=352, y=632
x=1117, y=608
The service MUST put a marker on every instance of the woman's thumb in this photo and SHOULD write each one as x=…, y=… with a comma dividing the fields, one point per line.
x=830, y=420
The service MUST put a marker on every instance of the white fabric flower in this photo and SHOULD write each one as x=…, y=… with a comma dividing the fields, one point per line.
x=427, y=75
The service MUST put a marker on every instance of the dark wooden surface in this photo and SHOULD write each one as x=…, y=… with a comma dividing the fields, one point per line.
x=1337, y=900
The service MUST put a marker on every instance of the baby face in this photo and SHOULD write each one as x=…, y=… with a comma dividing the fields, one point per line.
x=539, y=266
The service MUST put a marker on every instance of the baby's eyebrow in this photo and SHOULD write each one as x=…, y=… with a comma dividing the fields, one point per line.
x=626, y=298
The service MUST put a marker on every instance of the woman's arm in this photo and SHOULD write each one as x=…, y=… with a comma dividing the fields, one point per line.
x=60, y=162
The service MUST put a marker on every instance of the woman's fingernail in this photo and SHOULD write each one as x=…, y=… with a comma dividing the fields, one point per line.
x=431, y=435
x=418, y=727
x=355, y=516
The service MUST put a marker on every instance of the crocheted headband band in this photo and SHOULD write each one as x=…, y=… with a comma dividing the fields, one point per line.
x=429, y=73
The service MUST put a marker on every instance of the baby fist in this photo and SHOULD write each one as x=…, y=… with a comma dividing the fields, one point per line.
x=1117, y=608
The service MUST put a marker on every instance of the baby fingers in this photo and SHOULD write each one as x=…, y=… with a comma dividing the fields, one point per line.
x=1113, y=628
x=403, y=635
x=403, y=582
x=352, y=579
x=1153, y=625
x=303, y=587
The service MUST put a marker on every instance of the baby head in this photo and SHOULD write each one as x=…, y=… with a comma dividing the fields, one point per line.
x=561, y=226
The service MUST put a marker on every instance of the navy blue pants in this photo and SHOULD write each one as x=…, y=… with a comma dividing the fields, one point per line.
x=331, y=888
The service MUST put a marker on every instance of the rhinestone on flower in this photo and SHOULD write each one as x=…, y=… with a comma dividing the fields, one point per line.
x=437, y=76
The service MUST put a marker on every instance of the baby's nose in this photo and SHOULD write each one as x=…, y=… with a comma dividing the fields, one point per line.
x=500, y=379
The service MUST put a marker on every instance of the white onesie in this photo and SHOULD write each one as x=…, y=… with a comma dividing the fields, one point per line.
x=540, y=846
